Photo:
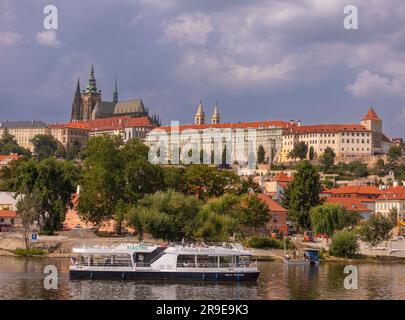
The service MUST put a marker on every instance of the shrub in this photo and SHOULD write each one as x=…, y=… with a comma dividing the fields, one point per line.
x=260, y=242
x=29, y=252
x=344, y=244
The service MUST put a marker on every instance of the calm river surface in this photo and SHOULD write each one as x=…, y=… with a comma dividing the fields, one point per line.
x=22, y=278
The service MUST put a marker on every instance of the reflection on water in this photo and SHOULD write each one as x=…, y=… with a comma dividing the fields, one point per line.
x=22, y=278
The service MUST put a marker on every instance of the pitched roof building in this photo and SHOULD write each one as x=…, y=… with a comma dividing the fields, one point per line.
x=87, y=104
x=348, y=141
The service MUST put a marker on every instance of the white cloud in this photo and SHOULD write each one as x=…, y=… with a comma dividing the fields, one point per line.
x=189, y=28
x=370, y=84
x=225, y=71
x=47, y=38
x=9, y=38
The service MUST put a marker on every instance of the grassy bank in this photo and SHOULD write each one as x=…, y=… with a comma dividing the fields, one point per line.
x=29, y=252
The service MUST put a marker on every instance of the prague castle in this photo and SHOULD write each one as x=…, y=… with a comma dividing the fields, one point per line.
x=87, y=104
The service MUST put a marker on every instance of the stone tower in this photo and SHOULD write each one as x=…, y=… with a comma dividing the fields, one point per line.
x=77, y=103
x=200, y=115
x=372, y=122
x=90, y=97
x=216, y=119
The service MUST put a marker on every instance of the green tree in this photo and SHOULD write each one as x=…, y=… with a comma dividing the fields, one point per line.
x=311, y=153
x=358, y=169
x=304, y=194
x=29, y=208
x=167, y=215
x=206, y=182
x=261, y=155
x=173, y=178
x=116, y=176
x=45, y=146
x=377, y=229
x=74, y=150
x=53, y=180
x=254, y=213
x=217, y=219
x=328, y=158
x=9, y=145
x=344, y=244
x=300, y=151
x=286, y=197
x=327, y=218
x=394, y=154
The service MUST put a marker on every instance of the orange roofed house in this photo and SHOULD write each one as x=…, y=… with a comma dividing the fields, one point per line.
x=277, y=184
x=348, y=141
x=352, y=205
x=278, y=213
x=367, y=195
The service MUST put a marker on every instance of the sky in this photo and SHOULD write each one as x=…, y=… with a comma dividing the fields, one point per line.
x=258, y=59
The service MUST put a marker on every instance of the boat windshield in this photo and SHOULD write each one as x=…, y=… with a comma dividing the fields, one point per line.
x=104, y=260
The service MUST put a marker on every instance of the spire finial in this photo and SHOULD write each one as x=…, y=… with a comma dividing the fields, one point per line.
x=115, y=98
x=92, y=85
x=78, y=87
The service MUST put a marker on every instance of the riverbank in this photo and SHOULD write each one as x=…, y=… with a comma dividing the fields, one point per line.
x=60, y=246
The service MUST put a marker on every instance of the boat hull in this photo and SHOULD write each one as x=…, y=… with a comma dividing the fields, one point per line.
x=164, y=275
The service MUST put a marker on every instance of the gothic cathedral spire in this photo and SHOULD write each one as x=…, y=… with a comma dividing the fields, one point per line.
x=115, y=97
x=92, y=85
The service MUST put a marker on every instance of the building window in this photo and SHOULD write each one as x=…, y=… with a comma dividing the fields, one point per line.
x=275, y=218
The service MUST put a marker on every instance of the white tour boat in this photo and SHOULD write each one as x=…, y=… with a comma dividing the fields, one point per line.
x=213, y=262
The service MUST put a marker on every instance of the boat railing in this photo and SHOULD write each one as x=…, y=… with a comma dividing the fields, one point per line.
x=216, y=265
x=103, y=264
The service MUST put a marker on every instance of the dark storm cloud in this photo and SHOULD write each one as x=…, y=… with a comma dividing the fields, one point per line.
x=257, y=59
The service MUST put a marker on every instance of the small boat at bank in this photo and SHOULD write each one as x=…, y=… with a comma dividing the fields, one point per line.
x=310, y=257
x=226, y=262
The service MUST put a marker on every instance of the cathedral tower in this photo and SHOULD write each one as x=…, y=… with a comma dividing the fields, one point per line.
x=216, y=119
x=200, y=115
x=372, y=122
x=77, y=103
x=90, y=97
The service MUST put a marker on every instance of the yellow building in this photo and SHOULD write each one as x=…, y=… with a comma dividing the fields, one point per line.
x=24, y=131
x=348, y=141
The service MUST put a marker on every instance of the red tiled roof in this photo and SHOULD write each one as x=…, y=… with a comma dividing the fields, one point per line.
x=241, y=125
x=70, y=125
x=115, y=123
x=394, y=193
x=350, y=204
x=9, y=157
x=360, y=190
x=281, y=177
x=273, y=205
x=371, y=115
x=329, y=128
x=8, y=214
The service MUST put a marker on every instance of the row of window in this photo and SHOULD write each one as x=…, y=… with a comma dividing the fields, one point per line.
x=388, y=206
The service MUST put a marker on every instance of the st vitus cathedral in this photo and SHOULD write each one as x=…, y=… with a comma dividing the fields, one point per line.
x=87, y=104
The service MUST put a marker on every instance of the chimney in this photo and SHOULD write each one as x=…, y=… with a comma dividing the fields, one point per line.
x=395, y=183
x=292, y=122
x=299, y=123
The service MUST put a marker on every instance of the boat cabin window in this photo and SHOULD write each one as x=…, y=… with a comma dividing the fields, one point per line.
x=105, y=260
x=207, y=261
x=186, y=260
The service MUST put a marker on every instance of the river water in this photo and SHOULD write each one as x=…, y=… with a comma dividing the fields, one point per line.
x=22, y=278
